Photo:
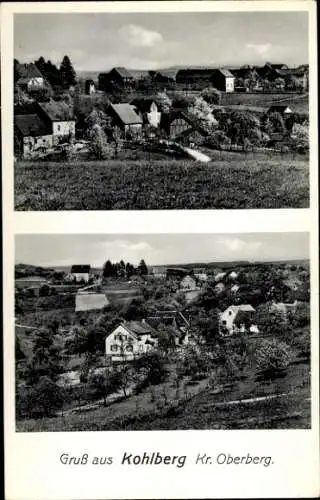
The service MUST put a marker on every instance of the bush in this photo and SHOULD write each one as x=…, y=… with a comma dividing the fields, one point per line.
x=272, y=357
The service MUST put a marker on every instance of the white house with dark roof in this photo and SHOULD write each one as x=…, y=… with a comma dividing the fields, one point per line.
x=60, y=117
x=80, y=272
x=29, y=77
x=31, y=134
x=129, y=340
x=222, y=79
x=237, y=319
x=125, y=117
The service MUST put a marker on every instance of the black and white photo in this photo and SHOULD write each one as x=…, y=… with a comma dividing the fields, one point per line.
x=162, y=332
x=176, y=110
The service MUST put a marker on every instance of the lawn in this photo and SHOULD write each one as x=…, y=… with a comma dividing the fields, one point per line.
x=200, y=408
x=229, y=181
x=299, y=103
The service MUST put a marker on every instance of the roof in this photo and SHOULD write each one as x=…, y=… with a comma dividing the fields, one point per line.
x=241, y=308
x=122, y=72
x=27, y=71
x=81, y=268
x=57, y=110
x=226, y=73
x=90, y=301
x=126, y=113
x=31, y=125
x=138, y=327
x=167, y=73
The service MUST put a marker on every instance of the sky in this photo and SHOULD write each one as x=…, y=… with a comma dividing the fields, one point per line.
x=158, y=249
x=98, y=42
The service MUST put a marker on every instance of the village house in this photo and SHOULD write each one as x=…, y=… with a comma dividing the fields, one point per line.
x=248, y=78
x=188, y=283
x=148, y=110
x=117, y=77
x=223, y=79
x=166, y=76
x=171, y=317
x=90, y=301
x=159, y=272
x=179, y=125
x=129, y=340
x=31, y=135
x=237, y=319
x=233, y=275
x=80, y=272
x=201, y=276
x=89, y=87
x=124, y=116
x=176, y=272
x=29, y=78
x=59, y=116
x=191, y=76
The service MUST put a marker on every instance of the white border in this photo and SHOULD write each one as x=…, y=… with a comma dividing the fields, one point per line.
x=32, y=467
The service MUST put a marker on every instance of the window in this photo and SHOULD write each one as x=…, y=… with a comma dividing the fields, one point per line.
x=58, y=128
x=114, y=348
x=224, y=322
x=230, y=312
x=129, y=348
x=117, y=337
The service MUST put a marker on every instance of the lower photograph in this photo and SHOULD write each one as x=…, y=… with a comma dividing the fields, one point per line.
x=162, y=332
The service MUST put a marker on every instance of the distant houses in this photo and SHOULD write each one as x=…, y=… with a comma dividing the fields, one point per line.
x=236, y=319
x=29, y=78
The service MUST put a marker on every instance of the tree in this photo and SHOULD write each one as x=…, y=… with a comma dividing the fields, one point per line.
x=201, y=110
x=41, y=400
x=99, y=146
x=103, y=384
x=142, y=268
x=300, y=135
x=211, y=95
x=152, y=367
x=107, y=271
x=272, y=357
x=68, y=74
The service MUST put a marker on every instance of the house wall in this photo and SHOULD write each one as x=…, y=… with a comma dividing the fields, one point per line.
x=35, y=83
x=177, y=126
x=227, y=320
x=154, y=116
x=30, y=144
x=229, y=84
x=63, y=129
x=121, y=345
x=81, y=276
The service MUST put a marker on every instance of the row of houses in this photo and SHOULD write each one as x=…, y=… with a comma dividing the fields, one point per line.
x=253, y=78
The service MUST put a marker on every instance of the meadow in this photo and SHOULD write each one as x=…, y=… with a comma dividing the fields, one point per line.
x=229, y=181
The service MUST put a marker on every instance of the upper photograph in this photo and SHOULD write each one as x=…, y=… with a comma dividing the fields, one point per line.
x=139, y=111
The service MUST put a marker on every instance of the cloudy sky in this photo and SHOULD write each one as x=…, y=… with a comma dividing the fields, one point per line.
x=65, y=250
x=144, y=41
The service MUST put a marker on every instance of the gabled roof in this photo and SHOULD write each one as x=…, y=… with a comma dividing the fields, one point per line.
x=31, y=125
x=241, y=308
x=57, y=110
x=80, y=268
x=167, y=73
x=126, y=113
x=226, y=73
x=123, y=72
x=138, y=327
x=27, y=71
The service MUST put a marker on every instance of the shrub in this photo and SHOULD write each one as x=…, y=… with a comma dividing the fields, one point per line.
x=273, y=356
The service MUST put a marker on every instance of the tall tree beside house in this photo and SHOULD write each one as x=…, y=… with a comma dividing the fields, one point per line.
x=68, y=74
x=99, y=146
x=129, y=270
x=142, y=268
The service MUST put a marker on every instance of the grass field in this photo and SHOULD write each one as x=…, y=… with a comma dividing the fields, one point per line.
x=203, y=408
x=229, y=181
x=299, y=103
